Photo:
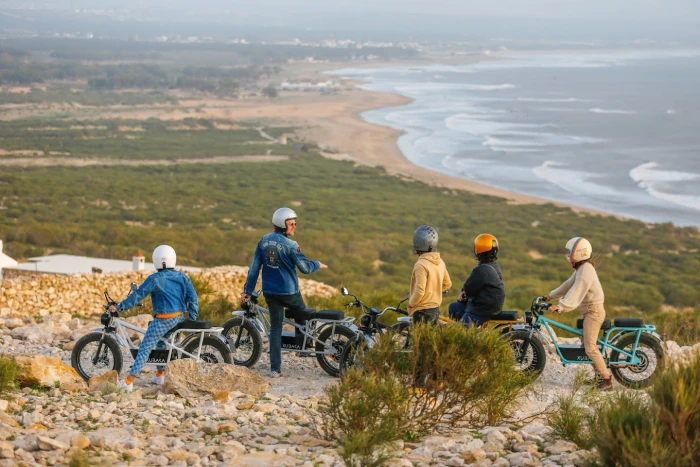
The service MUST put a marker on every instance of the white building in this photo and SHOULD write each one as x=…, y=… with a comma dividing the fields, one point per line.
x=5, y=261
x=71, y=264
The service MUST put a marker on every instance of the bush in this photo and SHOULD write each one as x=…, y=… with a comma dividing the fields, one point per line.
x=8, y=375
x=574, y=414
x=470, y=379
x=661, y=430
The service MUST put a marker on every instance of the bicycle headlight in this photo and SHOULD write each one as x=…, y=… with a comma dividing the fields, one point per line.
x=105, y=319
x=245, y=306
x=365, y=321
x=528, y=317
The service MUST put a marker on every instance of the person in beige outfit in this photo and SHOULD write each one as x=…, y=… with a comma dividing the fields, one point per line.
x=583, y=291
x=429, y=279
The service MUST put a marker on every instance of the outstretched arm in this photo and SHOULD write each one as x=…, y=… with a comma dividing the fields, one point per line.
x=305, y=265
x=138, y=295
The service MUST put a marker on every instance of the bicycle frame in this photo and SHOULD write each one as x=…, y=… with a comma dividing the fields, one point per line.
x=607, y=342
x=260, y=317
x=119, y=328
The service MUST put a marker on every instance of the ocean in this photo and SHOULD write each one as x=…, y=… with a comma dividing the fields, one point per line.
x=615, y=131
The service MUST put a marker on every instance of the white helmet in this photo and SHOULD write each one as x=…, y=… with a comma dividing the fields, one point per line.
x=580, y=249
x=164, y=257
x=281, y=216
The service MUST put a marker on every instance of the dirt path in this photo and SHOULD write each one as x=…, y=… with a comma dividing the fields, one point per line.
x=79, y=162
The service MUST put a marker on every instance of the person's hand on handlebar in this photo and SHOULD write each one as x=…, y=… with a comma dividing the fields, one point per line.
x=245, y=297
x=113, y=309
x=555, y=309
x=546, y=298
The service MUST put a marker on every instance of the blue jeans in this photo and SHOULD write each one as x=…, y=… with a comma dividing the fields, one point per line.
x=458, y=312
x=277, y=304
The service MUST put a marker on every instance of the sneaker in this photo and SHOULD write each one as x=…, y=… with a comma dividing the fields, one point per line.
x=123, y=387
x=275, y=374
x=605, y=384
x=158, y=379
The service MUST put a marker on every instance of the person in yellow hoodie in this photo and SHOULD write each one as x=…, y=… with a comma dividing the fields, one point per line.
x=430, y=278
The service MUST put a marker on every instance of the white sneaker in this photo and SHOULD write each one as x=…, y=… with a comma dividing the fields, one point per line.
x=158, y=379
x=275, y=374
x=123, y=387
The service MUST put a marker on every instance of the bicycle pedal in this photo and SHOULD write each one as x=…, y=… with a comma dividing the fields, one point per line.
x=305, y=354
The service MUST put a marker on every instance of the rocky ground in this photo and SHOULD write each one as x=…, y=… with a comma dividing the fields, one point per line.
x=269, y=425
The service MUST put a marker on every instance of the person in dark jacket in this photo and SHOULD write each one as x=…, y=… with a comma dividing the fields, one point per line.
x=279, y=257
x=483, y=293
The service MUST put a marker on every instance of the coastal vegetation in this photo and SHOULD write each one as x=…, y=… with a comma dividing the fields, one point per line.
x=358, y=220
x=661, y=427
x=384, y=398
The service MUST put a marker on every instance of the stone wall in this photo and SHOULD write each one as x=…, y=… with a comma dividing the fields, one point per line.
x=82, y=294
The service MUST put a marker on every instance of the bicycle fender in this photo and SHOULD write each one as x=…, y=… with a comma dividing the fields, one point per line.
x=350, y=326
x=209, y=334
x=258, y=325
x=658, y=336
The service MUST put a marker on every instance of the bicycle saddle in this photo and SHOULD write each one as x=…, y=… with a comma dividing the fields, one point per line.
x=505, y=316
x=187, y=324
x=310, y=313
x=629, y=322
x=606, y=324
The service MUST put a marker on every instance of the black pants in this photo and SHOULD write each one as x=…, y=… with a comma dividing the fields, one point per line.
x=277, y=304
x=430, y=316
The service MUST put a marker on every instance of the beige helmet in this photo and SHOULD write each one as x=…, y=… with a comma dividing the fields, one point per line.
x=580, y=249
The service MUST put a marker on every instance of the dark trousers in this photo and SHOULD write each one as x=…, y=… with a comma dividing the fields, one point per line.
x=458, y=312
x=430, y=316
x=277, y=304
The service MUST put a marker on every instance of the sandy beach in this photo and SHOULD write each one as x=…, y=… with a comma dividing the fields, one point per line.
x=332, y=121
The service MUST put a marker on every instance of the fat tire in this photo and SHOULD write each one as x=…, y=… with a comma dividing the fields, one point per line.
x=349, y=351
x=540, y=357
x=323, y=337
x=404, y=329
x=231, y=327
x=211, y=341
x=110, y=343
x=628, y=339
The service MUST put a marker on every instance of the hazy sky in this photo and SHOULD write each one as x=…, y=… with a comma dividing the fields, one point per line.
x=674, y=20
x=622, y=10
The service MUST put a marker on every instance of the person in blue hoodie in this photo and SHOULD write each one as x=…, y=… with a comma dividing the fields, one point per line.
x=279, y=257
x=173, y=296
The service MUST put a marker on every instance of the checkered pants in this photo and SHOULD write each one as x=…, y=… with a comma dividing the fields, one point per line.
x=156, y=329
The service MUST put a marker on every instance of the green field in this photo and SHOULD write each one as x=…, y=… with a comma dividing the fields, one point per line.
x=356, y=219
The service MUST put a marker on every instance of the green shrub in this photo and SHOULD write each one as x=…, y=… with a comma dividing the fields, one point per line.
x=450, y=375
x=8, y=375
x=661, y=430
x=574, y=413
x=216, y=309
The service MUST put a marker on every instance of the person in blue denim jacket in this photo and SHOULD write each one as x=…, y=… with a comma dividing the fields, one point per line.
x=173, y=296
x=279, y=257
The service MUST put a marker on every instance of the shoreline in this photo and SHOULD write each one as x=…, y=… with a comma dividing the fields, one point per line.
x=377, y=145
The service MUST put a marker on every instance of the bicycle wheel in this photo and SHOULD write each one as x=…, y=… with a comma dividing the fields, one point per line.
x=86, y=361
x=351, y=350
x=249, y=348
x=400, y=333
x=534, y=358
x=213, y=350
x=335, y=340
x=651, y=356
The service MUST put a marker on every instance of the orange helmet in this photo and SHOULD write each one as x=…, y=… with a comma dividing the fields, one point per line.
x=485, y=246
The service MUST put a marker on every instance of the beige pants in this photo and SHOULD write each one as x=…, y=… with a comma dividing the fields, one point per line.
x=593, y=317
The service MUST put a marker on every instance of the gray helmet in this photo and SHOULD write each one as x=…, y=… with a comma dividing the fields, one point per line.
x=425, y=238
x=281, y=216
